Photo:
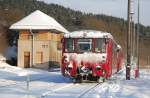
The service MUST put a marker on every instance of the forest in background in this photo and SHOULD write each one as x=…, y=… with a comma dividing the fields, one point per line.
x=12, y=11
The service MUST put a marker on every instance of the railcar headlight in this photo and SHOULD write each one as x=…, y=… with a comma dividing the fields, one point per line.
x=98, y=67
x=66, y=59
x=70, y=65
x=103, y=61
x=103, y=72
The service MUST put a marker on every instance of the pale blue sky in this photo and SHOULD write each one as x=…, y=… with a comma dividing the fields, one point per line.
x=108, y=7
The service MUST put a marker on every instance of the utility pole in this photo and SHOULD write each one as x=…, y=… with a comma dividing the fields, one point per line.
x=132, y=36
x=138, y=31
x=132, y=32
x=128, y=66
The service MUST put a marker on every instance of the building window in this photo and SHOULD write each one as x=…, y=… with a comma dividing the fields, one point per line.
x=44, y=46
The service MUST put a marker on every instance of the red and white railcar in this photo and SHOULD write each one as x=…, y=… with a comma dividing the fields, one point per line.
x=90, y=55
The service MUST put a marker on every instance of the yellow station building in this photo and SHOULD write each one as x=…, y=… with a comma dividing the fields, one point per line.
x=39, y=43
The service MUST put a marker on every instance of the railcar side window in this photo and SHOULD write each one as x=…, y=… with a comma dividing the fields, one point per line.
x=69, y=46
x=84, y=45
x=100, y=45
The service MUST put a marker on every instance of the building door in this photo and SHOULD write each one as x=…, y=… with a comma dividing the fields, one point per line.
x=26, y=59
x=39, y=57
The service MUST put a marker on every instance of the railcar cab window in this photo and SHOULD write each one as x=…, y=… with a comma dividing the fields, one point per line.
x=100, y=45
x=84, y=45
x=69, y=45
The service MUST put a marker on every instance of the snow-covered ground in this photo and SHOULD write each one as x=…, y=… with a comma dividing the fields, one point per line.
x=45, y=84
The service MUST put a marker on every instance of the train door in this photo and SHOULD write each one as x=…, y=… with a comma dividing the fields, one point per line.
x=114, y=59
x=26, y=59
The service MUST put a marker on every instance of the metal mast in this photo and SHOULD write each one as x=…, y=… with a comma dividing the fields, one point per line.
x=132, y=30
x=128, y=43
x=138, y=31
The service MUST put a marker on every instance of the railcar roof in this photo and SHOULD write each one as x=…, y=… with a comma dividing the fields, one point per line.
x=88, y=34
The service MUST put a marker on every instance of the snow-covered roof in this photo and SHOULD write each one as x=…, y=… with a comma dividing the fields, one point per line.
x=38, y=21
x=88, y=34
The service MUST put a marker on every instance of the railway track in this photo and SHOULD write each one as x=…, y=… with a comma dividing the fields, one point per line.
x=88, y=90
x=58, y=91
x=81, y=90
x=44, y=95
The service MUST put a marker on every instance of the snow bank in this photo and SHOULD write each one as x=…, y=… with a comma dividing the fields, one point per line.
x=2, y=58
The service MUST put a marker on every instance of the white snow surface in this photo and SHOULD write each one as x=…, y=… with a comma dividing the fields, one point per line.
x=44, y=84
x=88, y=34
x=2, y=58
x=86, y=57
